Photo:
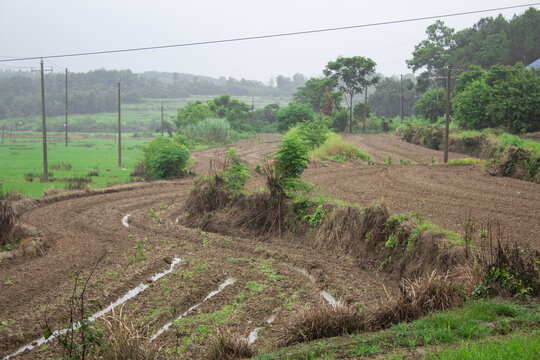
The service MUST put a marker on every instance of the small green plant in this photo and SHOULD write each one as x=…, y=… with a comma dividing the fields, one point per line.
x=388, y=160
x=9, y=282
x=162, y=205
x=235, y=173
x=152, y=213
x=404, y=161
x=316, y=218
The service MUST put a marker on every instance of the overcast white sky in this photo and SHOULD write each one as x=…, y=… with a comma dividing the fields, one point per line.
x=40, y=28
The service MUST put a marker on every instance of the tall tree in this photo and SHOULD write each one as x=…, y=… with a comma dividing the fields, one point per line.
x=433, y=53
x=313, y=93
x=351, y=75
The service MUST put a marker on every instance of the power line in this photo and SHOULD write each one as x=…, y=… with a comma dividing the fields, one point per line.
x=259, y=37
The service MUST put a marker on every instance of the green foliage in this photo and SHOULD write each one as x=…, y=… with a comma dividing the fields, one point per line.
x=339, y=120
x=208, y=131
x=431, y=105
x=293, y=156
x=351, y=75
x=314, y=133
x=165, y=158
x=433, y=53
x=293, y=114
x=505, y=96
x=235, y=111
x=236, y=173
x=335, y=148
x=313, y=93
x=316, y=218
x=192, y=113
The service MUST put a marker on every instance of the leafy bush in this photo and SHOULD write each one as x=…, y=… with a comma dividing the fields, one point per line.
x=335, y=146
x=235, y=174
x=293, y=156
x=340, y=120
x=165, y=158
x=210, y=130
x=506, y=95
x=293, y=114
x=429, y=107
x=314, y=133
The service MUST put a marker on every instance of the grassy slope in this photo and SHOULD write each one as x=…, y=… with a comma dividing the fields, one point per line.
x=481, y=329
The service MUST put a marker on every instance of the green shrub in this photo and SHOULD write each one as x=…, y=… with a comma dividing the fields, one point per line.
x=235, y=174
x=336, y=148
x=293, y=114
x=165, y=158
x=210, y=130
x=293, y=156
x=314, y=133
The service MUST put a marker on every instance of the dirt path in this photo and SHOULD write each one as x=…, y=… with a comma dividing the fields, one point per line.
x=268, y=276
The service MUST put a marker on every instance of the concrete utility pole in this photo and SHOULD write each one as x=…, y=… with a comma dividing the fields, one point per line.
x=401, y=97
x=66, y=107
x=44, y=127
x=447, y=125
x=119, y=130
x=161, y=118
x=365, y=111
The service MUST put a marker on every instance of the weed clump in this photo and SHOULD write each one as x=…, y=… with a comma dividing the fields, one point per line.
x=7, y=219
x=419, y=297
x=226, y=345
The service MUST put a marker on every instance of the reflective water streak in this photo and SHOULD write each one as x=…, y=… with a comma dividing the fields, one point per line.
x=165, y=327
x=130, y=294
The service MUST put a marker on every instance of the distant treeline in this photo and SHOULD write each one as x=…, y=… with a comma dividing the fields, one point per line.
x=96, y=91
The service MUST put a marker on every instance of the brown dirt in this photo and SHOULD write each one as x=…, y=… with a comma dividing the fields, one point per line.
x=79, y=229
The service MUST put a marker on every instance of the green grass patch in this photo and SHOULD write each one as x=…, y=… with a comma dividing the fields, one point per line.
x=522, y=345
x=470, y=325
x=335, y=148
x=464, y=161
x=23, y=160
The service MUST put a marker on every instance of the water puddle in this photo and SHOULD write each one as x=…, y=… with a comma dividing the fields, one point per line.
x=125, y=220
x=166, y=327
x=130, y=294
x=255, y=333
x=331, y=300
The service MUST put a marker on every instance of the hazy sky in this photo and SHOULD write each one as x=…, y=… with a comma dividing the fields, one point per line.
x=39, y=28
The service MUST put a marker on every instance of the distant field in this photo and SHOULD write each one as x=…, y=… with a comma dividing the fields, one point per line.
x=136, y=118
x=22, y=158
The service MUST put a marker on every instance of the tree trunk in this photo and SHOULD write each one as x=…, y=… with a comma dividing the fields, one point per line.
x=350, y=115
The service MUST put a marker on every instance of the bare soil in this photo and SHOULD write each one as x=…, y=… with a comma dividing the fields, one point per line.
x=271, y=276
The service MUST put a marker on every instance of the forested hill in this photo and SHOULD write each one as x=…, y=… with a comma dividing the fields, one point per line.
x=96, y=91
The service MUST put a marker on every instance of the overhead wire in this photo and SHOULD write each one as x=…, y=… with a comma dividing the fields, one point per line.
x=268, y=36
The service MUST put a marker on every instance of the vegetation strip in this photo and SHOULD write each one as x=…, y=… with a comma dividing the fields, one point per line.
x=130, y=294
x=165, y=327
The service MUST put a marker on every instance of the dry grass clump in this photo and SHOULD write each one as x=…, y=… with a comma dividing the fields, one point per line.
x=124, y=340
x=417, y=298
x=322, y=321
x=7, y=219
x=226, y=345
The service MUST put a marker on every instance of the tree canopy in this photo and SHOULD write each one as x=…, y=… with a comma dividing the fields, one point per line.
x=351, y=75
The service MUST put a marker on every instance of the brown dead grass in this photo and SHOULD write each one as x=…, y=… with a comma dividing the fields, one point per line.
x=418, y=297
x=124, y=340
x=227, y=345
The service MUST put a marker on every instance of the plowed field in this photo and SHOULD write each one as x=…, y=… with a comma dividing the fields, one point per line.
x=270, y=278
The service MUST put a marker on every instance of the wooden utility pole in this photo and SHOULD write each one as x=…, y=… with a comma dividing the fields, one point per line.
x=161, y=118
x=66, y=107
x=447, y=125
x=119, y=130
x=401, y=97
x=44, y=127
x=365, y=110
x=3, y=131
